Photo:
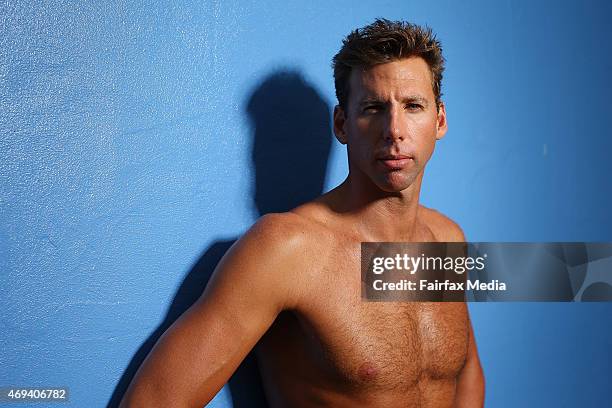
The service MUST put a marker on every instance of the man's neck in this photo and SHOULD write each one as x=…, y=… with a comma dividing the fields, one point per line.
x=378, y=215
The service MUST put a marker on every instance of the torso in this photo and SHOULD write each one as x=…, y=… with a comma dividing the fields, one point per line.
x=334, y=349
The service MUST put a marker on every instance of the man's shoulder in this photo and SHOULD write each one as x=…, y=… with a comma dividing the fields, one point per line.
x=286, y=234
x=284, y=227
x=443, y=228
x=271, y=258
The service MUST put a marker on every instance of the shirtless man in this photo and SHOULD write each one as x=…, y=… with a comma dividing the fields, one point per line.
x=292, y=284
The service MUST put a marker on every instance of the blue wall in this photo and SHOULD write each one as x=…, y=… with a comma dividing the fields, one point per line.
x=128, y=167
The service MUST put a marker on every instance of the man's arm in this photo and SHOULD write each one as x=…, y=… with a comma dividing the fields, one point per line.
x=470, y=383
x=200, y=351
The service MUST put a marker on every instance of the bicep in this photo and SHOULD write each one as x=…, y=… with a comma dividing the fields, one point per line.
x=200, y=351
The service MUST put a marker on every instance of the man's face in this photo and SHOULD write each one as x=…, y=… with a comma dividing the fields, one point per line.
x=391, y=122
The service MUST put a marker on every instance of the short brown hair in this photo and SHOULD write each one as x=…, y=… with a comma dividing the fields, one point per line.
x=386, y=41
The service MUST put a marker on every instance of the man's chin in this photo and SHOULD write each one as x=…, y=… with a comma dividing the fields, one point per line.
x=395, y=183
x=393, y=189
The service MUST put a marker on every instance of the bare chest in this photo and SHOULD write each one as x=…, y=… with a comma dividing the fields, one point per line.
x=380, y=345
x=389, y=345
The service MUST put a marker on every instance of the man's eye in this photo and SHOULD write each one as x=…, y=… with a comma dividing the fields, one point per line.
x=371, y=109
x=414, y=106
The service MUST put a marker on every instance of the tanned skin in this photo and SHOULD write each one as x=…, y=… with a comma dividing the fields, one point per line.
x=292, y=284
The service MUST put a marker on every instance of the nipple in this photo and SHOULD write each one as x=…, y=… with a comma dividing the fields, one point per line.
x=367, y=371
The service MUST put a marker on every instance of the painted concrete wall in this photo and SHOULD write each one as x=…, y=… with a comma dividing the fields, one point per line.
x=138, y=140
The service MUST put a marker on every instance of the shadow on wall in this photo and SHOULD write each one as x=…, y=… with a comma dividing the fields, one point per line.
x=291, y=144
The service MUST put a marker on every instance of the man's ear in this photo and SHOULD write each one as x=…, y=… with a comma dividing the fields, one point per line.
x=442, y=126
x=339, y=124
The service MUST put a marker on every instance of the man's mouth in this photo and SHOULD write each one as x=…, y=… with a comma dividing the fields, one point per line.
x=395, y=161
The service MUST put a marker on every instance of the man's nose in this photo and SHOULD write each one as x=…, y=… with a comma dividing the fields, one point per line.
x=394, y=126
